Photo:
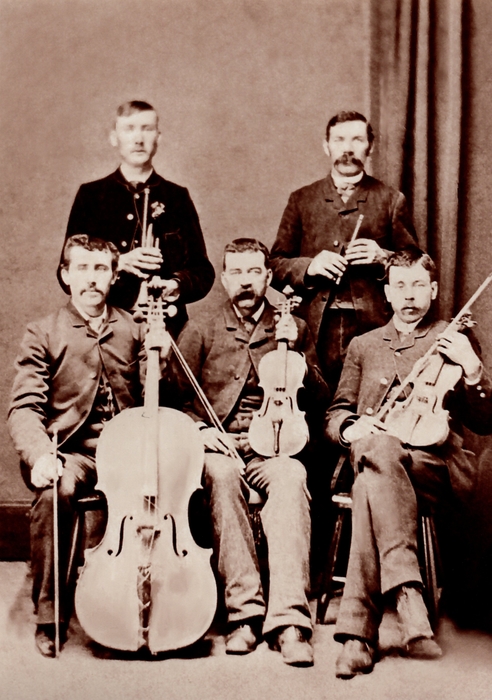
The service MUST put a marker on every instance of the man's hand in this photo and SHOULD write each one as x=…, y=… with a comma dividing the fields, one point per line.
x=158, y=338
x=256, y=474
x=216, y=441
x=286, y=329
x=362, y=427
x=327, y=264
x=169, y=288
x=364, y=251
x=46, y=469
x=140, y=262
x=457, y=348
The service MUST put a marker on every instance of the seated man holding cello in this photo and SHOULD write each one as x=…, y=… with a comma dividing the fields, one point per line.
x=403, y=447
x=224, y=354
x=76, y=369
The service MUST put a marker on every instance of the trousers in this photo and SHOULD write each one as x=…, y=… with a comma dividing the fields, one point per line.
x=77, y=481
x=383, y=551
x=286, y=523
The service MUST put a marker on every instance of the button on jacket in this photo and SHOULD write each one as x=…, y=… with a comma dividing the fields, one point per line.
x=112, y=209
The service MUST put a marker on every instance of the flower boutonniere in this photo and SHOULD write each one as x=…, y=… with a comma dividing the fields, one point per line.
x=157, y=209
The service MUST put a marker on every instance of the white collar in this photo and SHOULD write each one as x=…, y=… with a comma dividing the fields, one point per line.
x=255, y=316
x=138, y=177
x=95, y=322
x=403, y=327
x=345, y=179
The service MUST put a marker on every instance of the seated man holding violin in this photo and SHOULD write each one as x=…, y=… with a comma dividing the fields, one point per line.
x=404, y=448
x=224, y=354
x=76, y=369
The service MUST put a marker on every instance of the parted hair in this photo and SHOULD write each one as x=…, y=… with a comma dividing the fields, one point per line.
x=409, y=256
x=350, y=117
x=127, y=108
x=82, y=240
x=243, y=245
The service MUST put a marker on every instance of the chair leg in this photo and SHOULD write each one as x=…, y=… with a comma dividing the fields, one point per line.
x=326, y=588
x=431, y=564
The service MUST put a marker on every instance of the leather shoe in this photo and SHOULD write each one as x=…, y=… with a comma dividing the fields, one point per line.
x=423, y=649
x=242, y=640
x=356, y=657
x=295, y=648
x=413, y=619
x=45, y=641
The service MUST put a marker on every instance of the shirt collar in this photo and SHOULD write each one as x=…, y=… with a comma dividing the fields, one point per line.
x=255, y=317
x=95, y=322
x=345, y=179
x=405, y=328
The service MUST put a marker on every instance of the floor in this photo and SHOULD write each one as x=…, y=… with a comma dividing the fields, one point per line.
x=85, y=671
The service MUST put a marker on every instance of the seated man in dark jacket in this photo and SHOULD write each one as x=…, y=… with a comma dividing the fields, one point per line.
x=224, y=354
x=76, y=369
x=390, y=473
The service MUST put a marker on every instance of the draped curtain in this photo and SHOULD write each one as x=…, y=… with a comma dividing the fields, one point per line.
x=417, y=56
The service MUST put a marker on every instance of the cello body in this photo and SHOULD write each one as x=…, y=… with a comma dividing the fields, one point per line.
x=147, y=583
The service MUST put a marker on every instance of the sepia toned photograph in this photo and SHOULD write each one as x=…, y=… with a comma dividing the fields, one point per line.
x=246, y=431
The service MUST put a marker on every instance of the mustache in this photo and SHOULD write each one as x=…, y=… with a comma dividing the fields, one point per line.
x=92, y=289
x=347, y=159
x=246, y=294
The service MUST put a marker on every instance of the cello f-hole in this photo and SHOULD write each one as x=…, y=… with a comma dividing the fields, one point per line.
x=170, y=517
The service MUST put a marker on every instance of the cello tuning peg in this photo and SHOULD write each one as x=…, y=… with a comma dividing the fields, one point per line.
x=288, y=291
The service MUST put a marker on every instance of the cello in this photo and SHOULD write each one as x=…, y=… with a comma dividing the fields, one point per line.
x=279, y=427
x=147, y=584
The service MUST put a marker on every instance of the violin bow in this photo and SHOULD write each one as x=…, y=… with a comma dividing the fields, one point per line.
x=354, y=236
x=56, y=563
x=419, y=365
x=205, y=402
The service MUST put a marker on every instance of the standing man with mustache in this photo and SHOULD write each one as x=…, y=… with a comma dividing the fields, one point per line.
x=341, y=281
x=113, y=209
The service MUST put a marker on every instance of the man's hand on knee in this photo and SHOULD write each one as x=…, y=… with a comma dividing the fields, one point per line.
x=46, y=469
x=257, y=474
x=361, y=428
x=215, y=441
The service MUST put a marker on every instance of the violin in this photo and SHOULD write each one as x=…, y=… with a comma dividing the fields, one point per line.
x=279, y=427
x=147, y=583
x=420, y=420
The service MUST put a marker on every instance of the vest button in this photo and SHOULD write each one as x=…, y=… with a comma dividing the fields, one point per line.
x=130, y=217
x=369, y=411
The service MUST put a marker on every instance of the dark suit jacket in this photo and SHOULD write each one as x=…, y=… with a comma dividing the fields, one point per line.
x=58, y=371
x=316, y=219
x=374, y=360
x=220, y=354
x=108, y=209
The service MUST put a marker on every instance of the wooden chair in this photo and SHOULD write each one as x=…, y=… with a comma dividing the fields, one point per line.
x=430, y=564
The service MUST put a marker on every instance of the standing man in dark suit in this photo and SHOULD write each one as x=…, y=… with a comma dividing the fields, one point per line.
x=113, y=209
x=341, y=282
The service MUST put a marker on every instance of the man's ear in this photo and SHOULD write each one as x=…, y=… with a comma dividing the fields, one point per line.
x=434, y=287
x=64, y=276
x=269, y=276
x=387, y=293
x=113, y=140
x=326, y=148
